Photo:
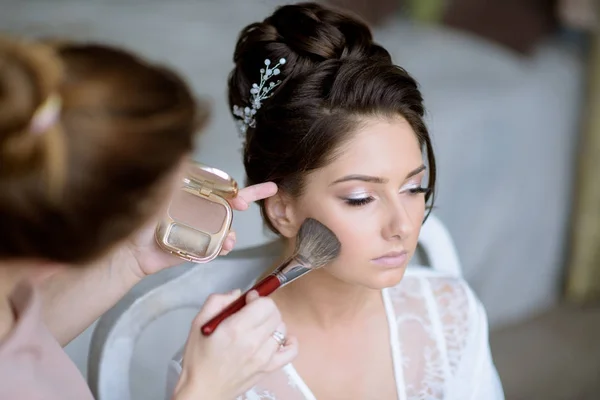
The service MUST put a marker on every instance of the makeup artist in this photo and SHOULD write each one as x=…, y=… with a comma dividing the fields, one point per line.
x=92, y=144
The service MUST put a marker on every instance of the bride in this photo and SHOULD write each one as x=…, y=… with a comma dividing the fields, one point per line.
x=328, y=117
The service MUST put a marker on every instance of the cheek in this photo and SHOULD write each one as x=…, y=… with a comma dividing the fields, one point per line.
x=416, y=212
x=415, y=206
x=352, y=228
x=348, y=223
x=358, y=230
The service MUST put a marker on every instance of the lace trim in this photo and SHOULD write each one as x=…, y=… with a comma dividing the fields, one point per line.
x=432, y=321
x=433, y=325
x=453, y=306
x=253, y=395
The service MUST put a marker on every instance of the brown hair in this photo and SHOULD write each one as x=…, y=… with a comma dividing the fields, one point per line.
x=334, y=74
x=70, y=193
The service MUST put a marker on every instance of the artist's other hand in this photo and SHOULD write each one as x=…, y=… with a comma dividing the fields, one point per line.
x=143, y=255
x=238, y=354
x=242, y=201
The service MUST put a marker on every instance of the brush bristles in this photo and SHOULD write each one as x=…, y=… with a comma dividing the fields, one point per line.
x=316, y=243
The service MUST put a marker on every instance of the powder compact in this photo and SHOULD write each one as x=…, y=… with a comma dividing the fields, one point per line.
x=199, y=216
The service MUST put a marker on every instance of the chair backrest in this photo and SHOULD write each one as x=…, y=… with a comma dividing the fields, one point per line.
x=438, y=247
x=188, y=285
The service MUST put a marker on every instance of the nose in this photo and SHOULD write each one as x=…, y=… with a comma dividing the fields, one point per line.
x=398, y=223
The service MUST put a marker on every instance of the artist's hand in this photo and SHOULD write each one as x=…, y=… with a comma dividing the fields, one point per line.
x=143, y=255
x=238, y=354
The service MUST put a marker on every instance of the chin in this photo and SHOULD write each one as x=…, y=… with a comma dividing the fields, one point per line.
x=384, y=279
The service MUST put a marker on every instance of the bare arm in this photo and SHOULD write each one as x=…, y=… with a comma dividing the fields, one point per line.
x=74, y=298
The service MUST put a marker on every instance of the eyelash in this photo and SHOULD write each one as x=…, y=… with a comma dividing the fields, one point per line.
x=366, y=200
x=419, y=190
x=359, y=202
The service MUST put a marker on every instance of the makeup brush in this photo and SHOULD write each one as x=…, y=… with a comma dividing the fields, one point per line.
x=316, y=246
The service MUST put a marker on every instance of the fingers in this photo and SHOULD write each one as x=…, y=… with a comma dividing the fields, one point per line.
x=245, y=342
x=283, y=355
x=253, y=193
x=252, y=296
x=272, y=355
x=228, y=244
x=260, y=314
x=268, y=347
x=242, y=201
x=214, y=304
x=273, y=344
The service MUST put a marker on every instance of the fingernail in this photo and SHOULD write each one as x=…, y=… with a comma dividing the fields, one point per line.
x=235, y=292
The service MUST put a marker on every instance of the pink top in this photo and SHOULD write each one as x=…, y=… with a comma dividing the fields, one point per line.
x=33, y=366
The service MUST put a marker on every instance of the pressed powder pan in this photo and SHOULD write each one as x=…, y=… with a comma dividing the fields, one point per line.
x=199, y=216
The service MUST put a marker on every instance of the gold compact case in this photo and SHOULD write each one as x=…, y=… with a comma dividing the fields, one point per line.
x=199, y=216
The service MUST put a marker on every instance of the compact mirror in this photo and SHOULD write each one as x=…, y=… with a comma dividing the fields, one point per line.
x=199, y=216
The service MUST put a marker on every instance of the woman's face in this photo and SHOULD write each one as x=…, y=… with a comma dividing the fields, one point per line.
x=372, y=198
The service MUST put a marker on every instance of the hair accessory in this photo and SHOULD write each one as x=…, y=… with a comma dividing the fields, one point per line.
x=258, y=93
x=46, y=115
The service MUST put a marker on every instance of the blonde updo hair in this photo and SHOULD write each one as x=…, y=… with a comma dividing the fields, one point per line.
x=76, y=180
x=30, y=73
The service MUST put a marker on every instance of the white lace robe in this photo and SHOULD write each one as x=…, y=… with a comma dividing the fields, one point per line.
x=439, y=344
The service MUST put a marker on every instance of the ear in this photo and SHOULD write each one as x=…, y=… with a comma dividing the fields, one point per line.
x=281, y=212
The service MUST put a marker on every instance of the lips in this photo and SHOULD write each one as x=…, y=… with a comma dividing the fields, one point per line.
x=392, y=259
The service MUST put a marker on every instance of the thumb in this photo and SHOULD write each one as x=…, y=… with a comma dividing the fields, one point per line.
x=215, y=303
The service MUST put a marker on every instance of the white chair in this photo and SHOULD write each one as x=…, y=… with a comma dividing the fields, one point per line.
x=188, y=285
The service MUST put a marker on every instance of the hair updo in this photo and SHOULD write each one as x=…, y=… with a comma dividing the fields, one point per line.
x=96, y=170
x=334, y=75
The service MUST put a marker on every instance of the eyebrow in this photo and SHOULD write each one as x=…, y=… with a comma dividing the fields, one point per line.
x=375, y=179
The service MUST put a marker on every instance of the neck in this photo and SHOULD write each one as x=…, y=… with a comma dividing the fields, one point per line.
x=320, y=298
x=11, y=274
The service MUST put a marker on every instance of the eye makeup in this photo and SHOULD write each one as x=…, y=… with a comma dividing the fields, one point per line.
x=361, y=198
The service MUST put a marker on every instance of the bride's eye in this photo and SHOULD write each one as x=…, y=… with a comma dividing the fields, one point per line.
x=415, y=188
x=418, y=190
x=358, y=201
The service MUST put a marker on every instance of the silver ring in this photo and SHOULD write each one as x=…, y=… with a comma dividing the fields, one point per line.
x=279, y=338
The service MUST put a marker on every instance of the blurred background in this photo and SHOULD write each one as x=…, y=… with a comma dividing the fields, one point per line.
x=512, y=89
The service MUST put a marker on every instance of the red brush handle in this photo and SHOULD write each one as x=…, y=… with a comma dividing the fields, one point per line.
x=264, y=288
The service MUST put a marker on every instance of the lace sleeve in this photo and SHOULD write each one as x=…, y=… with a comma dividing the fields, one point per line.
x=466, y=333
